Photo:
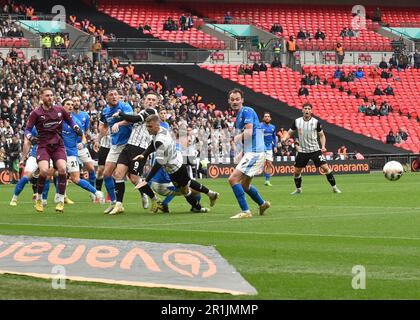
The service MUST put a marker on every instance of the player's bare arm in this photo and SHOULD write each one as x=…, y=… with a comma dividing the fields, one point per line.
x=323, y=141
x=287, y=136
x=25, y=150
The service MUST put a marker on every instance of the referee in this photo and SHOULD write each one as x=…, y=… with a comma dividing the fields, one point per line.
x=308, y=129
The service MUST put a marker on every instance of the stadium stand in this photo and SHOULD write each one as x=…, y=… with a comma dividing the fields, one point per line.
x=330, y=20
x=156, y=15
x=396, y=17
x=331, y=105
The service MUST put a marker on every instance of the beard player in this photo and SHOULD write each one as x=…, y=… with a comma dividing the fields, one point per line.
x=48, y=120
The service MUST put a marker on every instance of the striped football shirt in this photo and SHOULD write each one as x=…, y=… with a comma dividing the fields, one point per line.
x=308, y=134
x=106, y=141
x=140, y=137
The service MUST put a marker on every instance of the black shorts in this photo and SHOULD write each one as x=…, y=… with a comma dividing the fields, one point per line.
x=102, y=154
x=317, y=157
x=126, y=158
x=180, y=178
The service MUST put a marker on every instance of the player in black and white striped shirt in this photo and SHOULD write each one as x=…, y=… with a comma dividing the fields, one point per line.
x=137, y=143
x=308, y=129
x=168, y=157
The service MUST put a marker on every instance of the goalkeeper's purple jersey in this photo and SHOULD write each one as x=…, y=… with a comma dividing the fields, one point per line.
x=49, y=124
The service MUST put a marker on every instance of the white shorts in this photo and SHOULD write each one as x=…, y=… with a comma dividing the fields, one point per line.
x=31, y=165
x=84, y=155
x=114, y=153
x=163, y=189
x=269, y=155
x=252, y=163
x=72, y=164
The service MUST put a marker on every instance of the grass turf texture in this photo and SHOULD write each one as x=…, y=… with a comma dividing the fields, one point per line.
x=304, y=248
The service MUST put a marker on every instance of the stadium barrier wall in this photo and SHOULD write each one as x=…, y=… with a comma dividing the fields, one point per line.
x=287, y=168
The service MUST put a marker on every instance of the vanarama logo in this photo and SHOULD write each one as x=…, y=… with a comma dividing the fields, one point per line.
x=215, y=171
x=5, y=176
x=176, y=266
x=287, y=168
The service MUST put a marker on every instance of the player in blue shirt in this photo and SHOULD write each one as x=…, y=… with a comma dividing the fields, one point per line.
x=30, y=170
x=71, y=144
x=83, y=152
x=250, y=139
x=162, y=115
x=120, y=133
x=270, y=142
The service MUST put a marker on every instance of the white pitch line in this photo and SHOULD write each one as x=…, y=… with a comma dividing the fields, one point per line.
x=233, y=205
x=238, y=232
x=148, y=227
x=222, y=220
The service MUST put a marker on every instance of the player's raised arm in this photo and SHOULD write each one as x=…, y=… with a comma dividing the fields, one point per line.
x=137, y=118
x=289, y=133
x=29, y=125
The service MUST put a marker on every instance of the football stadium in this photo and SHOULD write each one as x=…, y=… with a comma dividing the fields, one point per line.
x=209, y=150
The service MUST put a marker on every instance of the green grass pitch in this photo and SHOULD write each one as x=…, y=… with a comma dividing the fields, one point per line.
x=304, y=248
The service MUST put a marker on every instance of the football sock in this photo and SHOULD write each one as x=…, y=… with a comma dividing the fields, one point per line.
x=253, y=193
x=331, y=179
x=239, y=193
x=119, y=190
x=147, y=190
x=61, y=183
x=92, y=178
x=168, y=199
x=21, y=185
x=56, y=184
x=198, y=187
x=99, y=183
x=298, y=182
x=86, y=185
x=40, y=184
x=110, y=188
x=34, y=182
x=192, y=200
x=267, y=176
x=46, y=189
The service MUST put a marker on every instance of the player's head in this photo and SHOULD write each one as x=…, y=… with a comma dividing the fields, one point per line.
x=113, y=97
x=151, y=100
x=47, y=97
x=68, y=105
x=76, y=103
x=307, y=110
x=236, y=99
x=267, y=117
x=153, y=124
x=163, y=114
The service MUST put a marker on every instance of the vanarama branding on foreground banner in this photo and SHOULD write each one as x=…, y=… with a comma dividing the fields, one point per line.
x=287, y=168
x=175, y=266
